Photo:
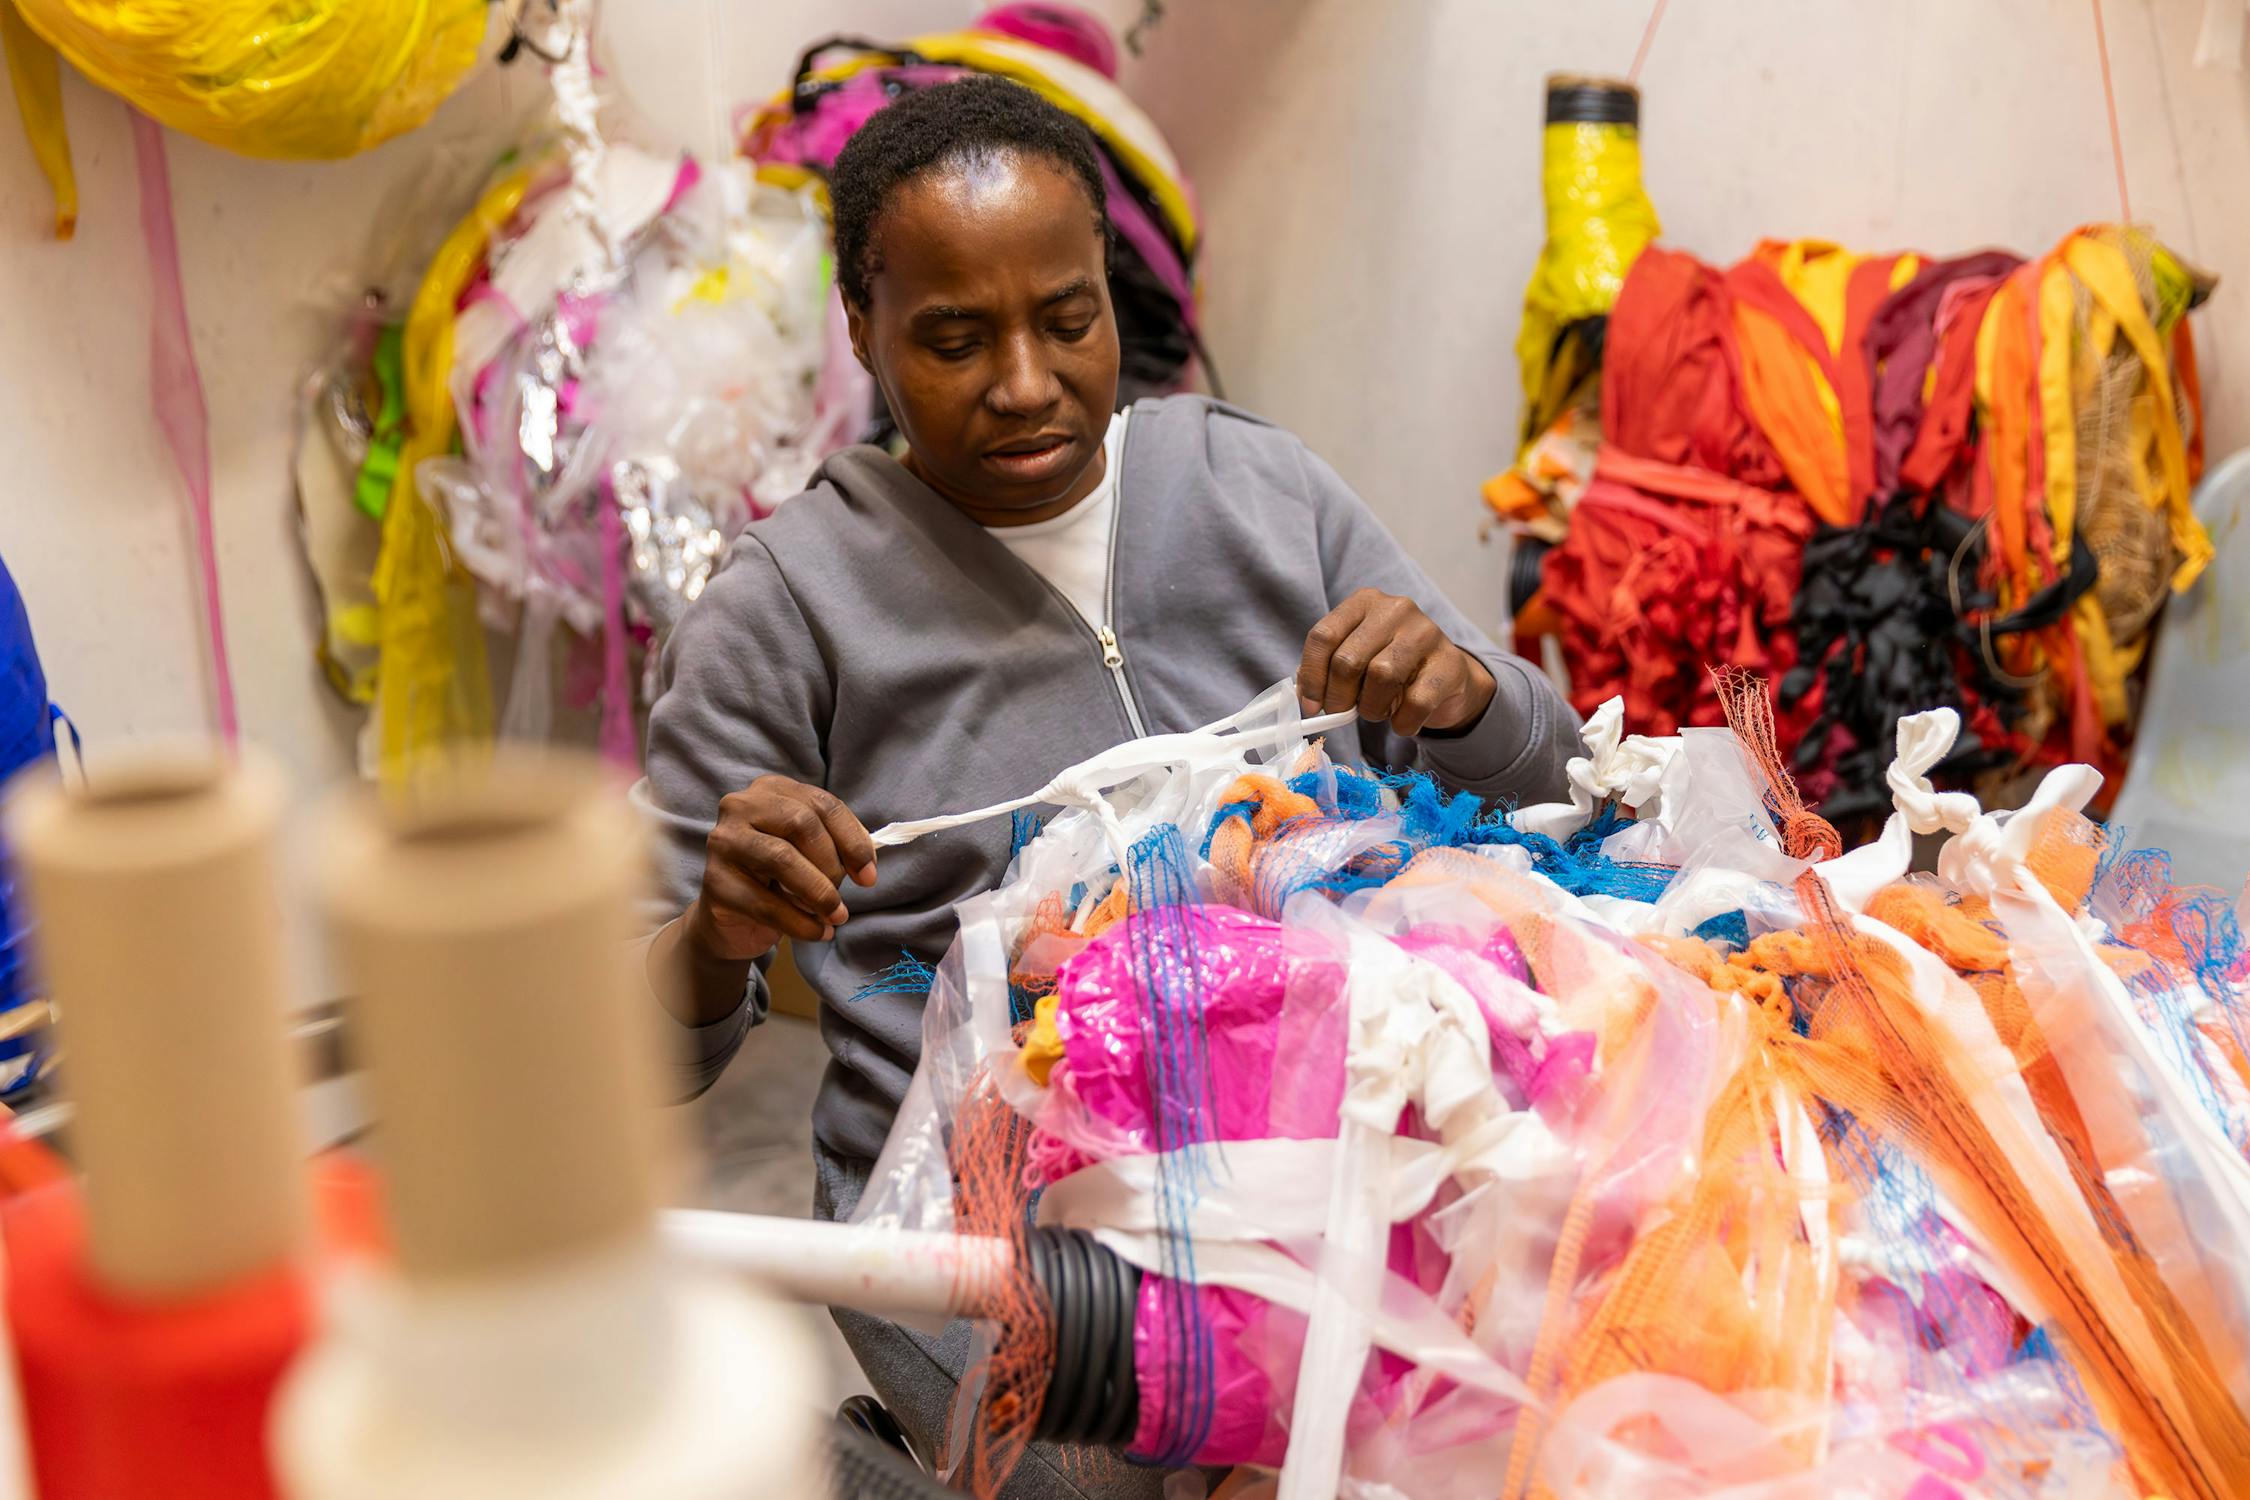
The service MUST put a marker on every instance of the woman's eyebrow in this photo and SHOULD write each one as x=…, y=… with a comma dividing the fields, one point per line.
x=946, y=312
x=1079, y=288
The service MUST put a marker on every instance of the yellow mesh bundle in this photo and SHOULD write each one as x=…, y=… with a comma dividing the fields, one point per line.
x=431, y=690
x=280, y=78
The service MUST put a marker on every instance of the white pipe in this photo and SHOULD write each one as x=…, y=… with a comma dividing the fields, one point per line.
x=875, y=1270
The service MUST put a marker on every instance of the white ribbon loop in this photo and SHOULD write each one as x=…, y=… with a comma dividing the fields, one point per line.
x=1924, y=739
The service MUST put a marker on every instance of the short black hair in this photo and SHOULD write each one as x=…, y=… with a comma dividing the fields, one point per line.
x=948, y=125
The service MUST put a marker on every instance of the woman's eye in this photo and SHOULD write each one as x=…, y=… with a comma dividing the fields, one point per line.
x=953, y=351
x=1071, y=333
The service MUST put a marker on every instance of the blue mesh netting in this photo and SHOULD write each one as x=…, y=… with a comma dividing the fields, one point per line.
x=1023, y=826
x=1243, y=810
x=1345, y=793
x=1431, y=818
x=2197, y=939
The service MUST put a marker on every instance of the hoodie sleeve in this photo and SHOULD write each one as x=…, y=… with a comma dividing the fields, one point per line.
x=744, y=691
x=1528, y=734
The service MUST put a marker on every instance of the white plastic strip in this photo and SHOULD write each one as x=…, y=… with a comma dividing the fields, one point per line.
x=1415, y=1036
x=1420, y=1333
x=1277, y=1190
x=1268, y=1190
x=1340, y=1332
x=1083, y=784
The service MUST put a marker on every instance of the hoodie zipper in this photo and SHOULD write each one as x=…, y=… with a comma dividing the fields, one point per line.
x=1113, y=657
x=1104, y=638
x=1113, y=654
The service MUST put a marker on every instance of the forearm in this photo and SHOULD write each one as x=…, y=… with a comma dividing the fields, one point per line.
x=715, y=1004
x=694, y=986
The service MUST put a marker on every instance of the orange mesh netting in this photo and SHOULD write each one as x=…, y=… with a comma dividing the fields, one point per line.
x=2144, y=1365
x=988, y=1156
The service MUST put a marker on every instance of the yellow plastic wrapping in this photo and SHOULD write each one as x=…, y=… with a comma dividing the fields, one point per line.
x=282, y=78
x=1599, y=219
x=37, y=75
x=431, y=689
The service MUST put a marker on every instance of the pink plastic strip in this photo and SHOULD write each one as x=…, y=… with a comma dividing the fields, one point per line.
x=176, y=394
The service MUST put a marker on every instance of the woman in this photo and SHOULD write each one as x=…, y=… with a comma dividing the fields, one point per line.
x=1034, y=582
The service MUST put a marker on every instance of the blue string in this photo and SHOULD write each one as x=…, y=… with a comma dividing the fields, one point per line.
x=908, y=976
x=2133, y=887
x=1166, y=968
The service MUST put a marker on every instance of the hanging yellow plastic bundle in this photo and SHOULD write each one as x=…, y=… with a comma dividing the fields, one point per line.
x=277, y=78
x=1599, y=219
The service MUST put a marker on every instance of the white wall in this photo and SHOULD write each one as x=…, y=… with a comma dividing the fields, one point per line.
x=1369, y=173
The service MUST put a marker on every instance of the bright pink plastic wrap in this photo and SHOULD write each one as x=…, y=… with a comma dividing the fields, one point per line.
x=1102, y=1020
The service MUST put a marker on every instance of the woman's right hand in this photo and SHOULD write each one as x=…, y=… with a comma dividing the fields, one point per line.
x=773, y=868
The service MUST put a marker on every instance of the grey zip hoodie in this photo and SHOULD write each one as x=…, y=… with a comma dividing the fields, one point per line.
x=873, y=640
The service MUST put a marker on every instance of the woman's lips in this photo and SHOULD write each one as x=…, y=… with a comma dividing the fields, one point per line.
x=1028, y=464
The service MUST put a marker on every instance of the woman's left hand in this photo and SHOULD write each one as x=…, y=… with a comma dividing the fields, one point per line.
x=1380, y=654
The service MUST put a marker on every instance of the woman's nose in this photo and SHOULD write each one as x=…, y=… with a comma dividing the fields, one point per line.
x=1025, y=383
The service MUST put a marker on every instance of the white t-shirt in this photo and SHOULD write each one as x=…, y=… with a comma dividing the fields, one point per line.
x=1071, y=551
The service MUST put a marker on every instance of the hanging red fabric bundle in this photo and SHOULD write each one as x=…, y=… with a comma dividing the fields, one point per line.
x=1665, y=568
x=1904, y=341
x=1672, y=375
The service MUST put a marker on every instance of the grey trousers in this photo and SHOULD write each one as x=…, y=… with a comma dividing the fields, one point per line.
x=915, y=1376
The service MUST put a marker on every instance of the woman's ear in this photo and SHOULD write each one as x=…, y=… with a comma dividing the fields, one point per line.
x=855, y=320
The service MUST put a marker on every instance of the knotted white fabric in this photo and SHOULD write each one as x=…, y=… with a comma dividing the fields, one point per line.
x=1991, y=851
x=1923, y=740
x=1627, y=768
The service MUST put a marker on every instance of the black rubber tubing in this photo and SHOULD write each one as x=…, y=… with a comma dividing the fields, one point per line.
x=1092, y=1396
